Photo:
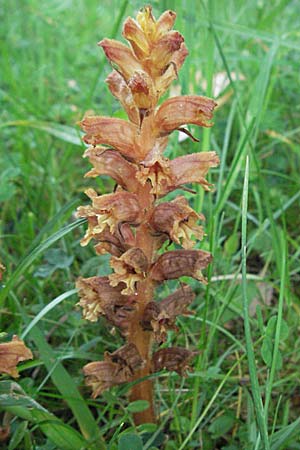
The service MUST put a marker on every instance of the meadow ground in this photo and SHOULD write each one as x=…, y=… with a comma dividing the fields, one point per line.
x=244, y=390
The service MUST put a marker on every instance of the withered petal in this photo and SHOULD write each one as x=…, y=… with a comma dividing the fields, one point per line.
x=111, y=131
x=122, y=56
x=174, y=359
x=98, y=297
x=137, y=38
x=178, y=263
x=119, y=88
x=192, y=168
x=110, y=162
x=102, y=375
x=177, y=302
x=126, y=356
x=11, y=353
x=187, y=109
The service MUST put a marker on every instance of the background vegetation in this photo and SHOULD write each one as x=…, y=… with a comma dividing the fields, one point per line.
x=244, y=392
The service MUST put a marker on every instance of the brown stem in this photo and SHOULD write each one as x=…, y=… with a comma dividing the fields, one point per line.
x=144, y=389
x=141, y=338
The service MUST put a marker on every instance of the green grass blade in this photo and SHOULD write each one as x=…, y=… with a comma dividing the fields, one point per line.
x=34, y=254
x=47, y=309
x=283, y=436
x=270, y=381
x=258, y=405
x=14, y=400
x=66, y=386
x=63, y=132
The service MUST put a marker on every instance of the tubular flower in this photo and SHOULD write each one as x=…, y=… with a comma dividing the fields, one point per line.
x=133, y=223
x=178, y=220
x=130, y=268
x=161, y=317
x=11, y=353
x=174, y=358
x=117, y=368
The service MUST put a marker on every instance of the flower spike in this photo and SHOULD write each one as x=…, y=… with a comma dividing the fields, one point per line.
x=134, y=222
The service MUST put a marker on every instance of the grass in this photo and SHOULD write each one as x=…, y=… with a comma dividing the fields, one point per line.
x=243, y=393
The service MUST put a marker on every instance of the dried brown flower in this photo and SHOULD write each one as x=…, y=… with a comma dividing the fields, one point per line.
x=11, y=353
x=174, y=358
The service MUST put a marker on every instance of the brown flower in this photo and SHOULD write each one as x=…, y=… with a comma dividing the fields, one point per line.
x=110, y=211
x=177, y=111
x=110, y=131
x=98, y=297
x=178, y=263
x=174, y=358
x=167, y=175
x=130, y=268
x=179, y=221
x=122, y=56
x=161, y=317
x=11, y=353
x=117, y=368
x=192, y=168
x=110, y=162
x=114, y=243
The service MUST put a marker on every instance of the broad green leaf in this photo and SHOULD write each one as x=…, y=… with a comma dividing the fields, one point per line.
x=221, y=425
x=55, y=258
x=137, y=406
x=271, y=327
x=232, y=244
x=130, y=441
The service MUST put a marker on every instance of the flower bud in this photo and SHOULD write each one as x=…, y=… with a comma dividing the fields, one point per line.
x=119, y=88
x=122, y=56
x=165, y=23
x=163, y=51
x=137, y=38
x=142, y=90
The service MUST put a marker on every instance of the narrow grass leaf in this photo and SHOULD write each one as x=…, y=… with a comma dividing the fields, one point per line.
x=280, y=331
x=63, y=132
x=261, y=422
x=34, y=254
x=66, y=386
x=47, y=309
x=14, y=400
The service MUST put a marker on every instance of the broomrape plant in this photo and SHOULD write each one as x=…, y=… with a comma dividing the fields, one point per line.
x=134, y=221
